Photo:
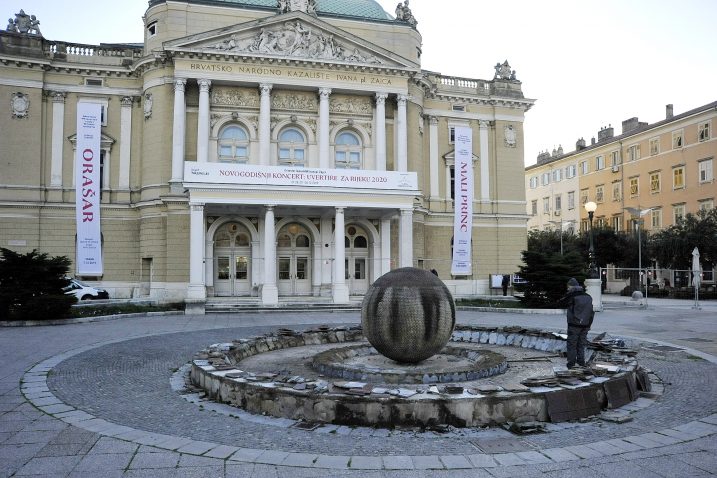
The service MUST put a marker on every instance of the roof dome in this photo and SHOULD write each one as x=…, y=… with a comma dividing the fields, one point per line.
x=367, y=9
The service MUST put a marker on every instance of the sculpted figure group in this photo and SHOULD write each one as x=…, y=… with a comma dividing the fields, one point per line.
x=24, y=23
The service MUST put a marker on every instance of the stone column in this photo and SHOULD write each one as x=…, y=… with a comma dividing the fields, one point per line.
x=178, y=133
x=402, y=133
x=385, y=245
x=265, y=125
x=433, y=156
x=269, y=291
x=196, y=292
x=58, y=137
x=203, y=121
x=125, y=142
x=484, y=161
x=340, y=291
x=381, y=131
x=324, y=94
x=405, y=238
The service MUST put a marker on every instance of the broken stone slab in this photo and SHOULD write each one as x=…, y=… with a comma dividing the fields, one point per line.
x=615, y=417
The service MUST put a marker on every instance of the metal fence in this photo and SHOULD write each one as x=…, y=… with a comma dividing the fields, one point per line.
x=663, y=283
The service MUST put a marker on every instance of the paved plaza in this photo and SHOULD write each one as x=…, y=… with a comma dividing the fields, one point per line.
x=105, y=398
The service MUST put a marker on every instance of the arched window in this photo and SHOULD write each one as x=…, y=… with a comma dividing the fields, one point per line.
x=233, y=144
x=348, y=151
x=360, y=242
x=292, y=148
x=302, y=241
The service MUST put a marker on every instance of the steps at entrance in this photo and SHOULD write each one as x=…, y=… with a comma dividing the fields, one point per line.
x=219, y=305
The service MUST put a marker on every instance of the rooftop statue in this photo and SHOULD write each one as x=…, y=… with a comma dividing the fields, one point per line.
x=404, y=14
x=503, y=72
x=24, y=24
x=306, y=6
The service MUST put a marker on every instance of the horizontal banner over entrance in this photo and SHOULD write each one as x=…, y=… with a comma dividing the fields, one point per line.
x=221, y=173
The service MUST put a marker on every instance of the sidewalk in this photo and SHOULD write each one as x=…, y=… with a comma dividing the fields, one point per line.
x=95, y=401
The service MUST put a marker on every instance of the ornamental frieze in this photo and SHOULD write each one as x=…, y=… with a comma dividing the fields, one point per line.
x=234, y=97
x=293, y=101
x=351, y=105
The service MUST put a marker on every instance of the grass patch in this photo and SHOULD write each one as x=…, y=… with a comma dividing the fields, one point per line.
x=115, y=309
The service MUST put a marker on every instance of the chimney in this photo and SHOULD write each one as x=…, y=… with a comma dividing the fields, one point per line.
x=606, y=133
x=669, y=111
x=629, y=124
x=580, y=144
x=592, y=141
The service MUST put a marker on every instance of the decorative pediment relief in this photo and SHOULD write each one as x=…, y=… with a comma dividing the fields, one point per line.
x=351, y=105
x=292, y=35
x=294, y=101
x=295, y=39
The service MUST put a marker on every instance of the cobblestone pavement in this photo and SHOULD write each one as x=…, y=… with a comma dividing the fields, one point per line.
x=95, y=399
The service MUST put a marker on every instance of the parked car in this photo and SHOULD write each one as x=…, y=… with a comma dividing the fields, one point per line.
x=85, y=292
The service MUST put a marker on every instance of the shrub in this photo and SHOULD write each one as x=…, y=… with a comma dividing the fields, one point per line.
x=31, y=286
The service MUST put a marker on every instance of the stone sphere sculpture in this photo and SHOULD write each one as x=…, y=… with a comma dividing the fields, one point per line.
x=408, y=315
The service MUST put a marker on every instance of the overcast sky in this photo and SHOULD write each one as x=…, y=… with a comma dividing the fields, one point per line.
x=588, y=63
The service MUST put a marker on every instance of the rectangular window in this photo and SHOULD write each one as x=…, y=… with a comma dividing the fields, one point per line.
x=616, y=223
x=703, y=131
x=558, y=203
x=599, y=193
x=656, y=217
x=534, y=207
x=584, y=168
x=599, y=163
x=571, y=200
x=706, y=175
x=617, y=191
x=557, y=175
x=545, y=179
x=459, y=107
x=546, y=205
x=600, y=222
x=654, y=182
x=678, y=177
x=654, y=146
x=451, y=135
x=615, y=158
x=534, y=182
x=584, y=196
x=677, y=140
x=633, y=152
x=584, y=225
x=570, y=171
x=707, y=204
x=634, y=187
x=678, y=212
x=453, y=183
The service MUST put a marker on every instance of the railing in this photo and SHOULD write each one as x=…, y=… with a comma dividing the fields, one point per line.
x=481, y=86
x=78, y=49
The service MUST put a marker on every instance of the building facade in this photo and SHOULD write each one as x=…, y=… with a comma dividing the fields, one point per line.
x=664, y=170
x=262, y=150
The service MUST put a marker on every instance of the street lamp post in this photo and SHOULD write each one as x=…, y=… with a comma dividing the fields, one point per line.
x=637, y=215
x=561, y=231
x=590, y=207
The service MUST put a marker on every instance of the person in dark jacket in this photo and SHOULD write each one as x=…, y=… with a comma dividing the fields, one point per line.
x=580, y=316
x=505, y=283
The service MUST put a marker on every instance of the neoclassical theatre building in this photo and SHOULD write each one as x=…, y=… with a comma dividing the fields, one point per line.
x=260, y=150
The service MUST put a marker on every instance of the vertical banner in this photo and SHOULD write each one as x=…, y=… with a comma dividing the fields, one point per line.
x=463, y=220
x=87, y=189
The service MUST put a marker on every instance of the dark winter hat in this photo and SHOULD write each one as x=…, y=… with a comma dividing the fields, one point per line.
x=573, y=283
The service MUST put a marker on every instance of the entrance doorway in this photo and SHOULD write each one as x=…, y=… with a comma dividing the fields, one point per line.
x=293, y=254
x=232, y=259
x=357, y=260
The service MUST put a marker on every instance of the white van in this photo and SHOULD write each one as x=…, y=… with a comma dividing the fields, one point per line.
x=85, y=292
